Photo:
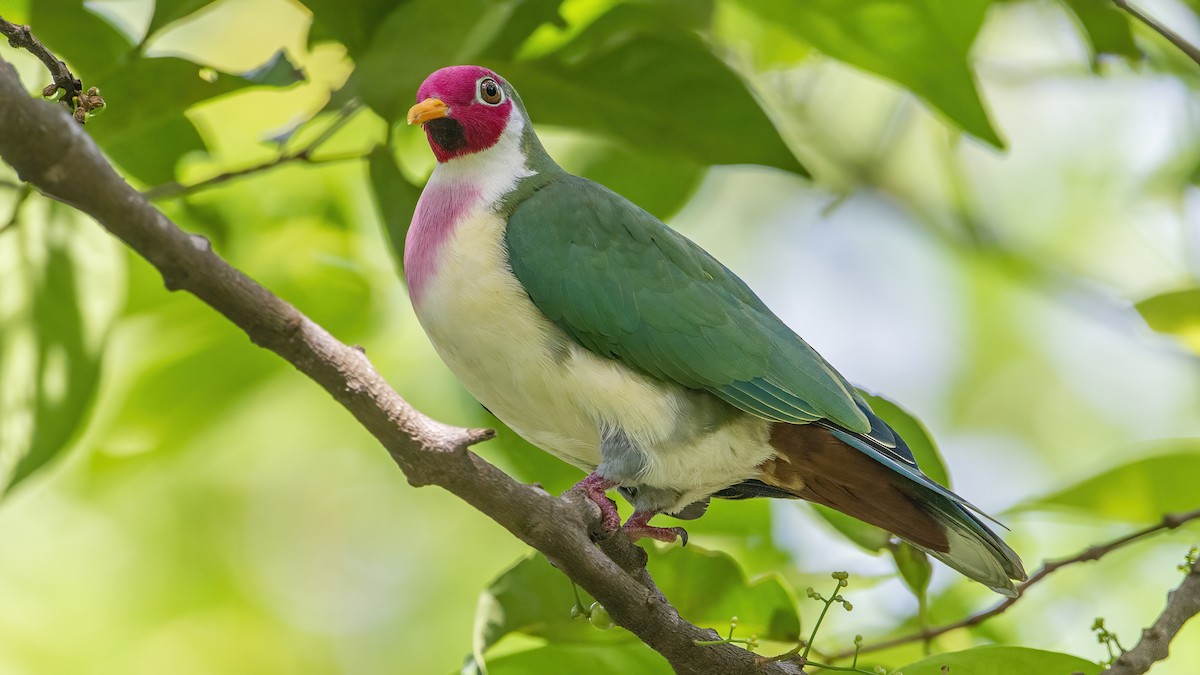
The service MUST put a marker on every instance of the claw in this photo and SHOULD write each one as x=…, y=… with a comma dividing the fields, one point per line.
x=636, y=528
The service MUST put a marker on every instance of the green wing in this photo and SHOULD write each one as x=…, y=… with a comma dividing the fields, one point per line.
x=627, y=287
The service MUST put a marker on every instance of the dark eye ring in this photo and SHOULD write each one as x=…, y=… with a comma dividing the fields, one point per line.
x=490, y=92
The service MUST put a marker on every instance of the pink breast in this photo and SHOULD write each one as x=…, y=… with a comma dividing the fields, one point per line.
x=438, y=212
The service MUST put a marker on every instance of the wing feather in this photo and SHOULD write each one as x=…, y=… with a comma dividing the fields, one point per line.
x=625, y=286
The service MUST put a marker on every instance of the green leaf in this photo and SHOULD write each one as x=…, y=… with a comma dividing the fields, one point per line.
x=656, y=88
x=395, y=198
x=1140, y=491
x=998, y=660
x=660, y=185
x=922, y=45
x=708, y=588
x=145, y=97
x=914, y=434
x=169, y=11
x=868, y=537
x=1105, y=26
x=914, y=567
x=571, y=658
x=417, y=38
x=50, y=348
x=277, y=71
x=351, y=23
x=1176, y=313
x=534, y=599
x=60, y=23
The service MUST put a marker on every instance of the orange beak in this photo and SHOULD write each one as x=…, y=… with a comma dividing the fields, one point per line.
x=429, y=109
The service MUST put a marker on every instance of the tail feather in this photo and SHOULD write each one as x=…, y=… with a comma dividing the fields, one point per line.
x=847, y=472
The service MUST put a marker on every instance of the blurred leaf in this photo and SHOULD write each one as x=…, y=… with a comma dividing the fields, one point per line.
x=1176, y=313
x=924, y=46
x=661, y=185
x=49, y=355
x=914, y=567
x=656, y=87
x=998, y=660
x=395, y=198
x=277, y=71
x=526, y=17
x=742, y=529
x=60, y=23
x=194, y=367
x=1105, y=27
x=914, y=434
x=417, y=38
x=351, y=23
x=168, y=11
x=571, y=658
x=708, y=588
x=868, y=537
x=144, y=129
x=1141, y=491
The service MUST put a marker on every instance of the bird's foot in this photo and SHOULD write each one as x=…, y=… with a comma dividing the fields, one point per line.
x=637, y=528
x=594, y=487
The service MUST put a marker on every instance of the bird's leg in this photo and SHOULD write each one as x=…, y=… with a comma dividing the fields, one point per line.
x=594, y=487
x=636, y=527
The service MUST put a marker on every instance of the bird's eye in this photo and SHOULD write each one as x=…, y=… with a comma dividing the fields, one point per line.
x=490, y=92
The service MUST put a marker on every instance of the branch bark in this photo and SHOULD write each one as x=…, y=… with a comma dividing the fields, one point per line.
x=55, y=155
x=1182, y=604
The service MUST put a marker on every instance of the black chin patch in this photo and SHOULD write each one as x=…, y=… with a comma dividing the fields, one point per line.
x=447, y=133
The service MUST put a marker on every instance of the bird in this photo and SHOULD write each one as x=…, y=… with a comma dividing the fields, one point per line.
x=611, y=341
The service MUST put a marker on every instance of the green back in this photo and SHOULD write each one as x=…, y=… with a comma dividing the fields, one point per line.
x=628, y=287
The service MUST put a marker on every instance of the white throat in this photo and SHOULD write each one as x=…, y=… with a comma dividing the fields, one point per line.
x=491, y=173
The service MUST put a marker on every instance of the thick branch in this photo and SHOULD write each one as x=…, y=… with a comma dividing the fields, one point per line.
x=1169, y=522
x=1182, y=604
x=56, y=156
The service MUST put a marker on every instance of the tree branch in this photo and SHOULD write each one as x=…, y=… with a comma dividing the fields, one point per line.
x=1169, y=522
x=1182, y=604
x=1174, y=38
x=22, y=38
x=55, y=155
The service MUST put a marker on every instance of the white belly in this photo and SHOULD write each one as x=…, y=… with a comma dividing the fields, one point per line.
x=557, y=394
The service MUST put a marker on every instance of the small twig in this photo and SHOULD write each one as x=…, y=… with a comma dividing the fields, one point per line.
x=304, y=154
x=1169, y=522
x=1182, y=604
x=22, y=38
x=1174, y=38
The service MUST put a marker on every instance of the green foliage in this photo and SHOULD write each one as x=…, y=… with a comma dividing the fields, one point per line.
x=1139, y=491
x=534, y=599
x=914, y=567
x=395, y=197
x=1106, y=27
x=998, y=660
x=52, y=337
x=1176, y=313
x=921, y=45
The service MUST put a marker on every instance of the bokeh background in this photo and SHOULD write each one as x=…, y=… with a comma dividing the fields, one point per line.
x=1016, y=266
